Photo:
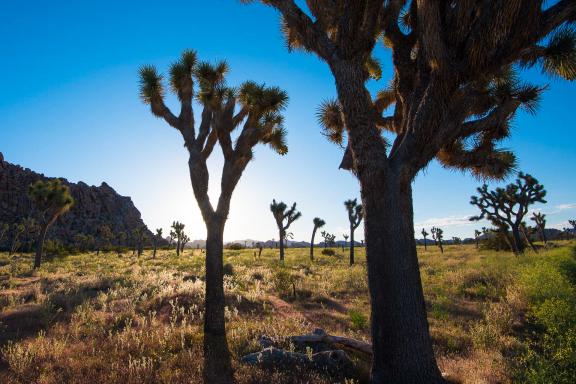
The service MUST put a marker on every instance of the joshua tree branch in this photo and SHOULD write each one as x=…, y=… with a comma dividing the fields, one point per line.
x=556, y=15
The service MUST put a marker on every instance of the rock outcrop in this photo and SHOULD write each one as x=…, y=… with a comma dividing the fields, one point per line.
x=94, y=206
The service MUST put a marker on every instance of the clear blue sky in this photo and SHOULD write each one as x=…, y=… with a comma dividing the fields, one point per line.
x=69, y=107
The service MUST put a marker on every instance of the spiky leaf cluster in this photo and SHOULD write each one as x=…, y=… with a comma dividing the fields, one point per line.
x=283, y=215
x=355, y=212
x=51, y=199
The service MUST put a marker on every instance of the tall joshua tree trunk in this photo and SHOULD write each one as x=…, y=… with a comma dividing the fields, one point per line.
x=402, y=349
x=517, y=240
x=40, y=246
x=312, y=243
x=217, y=366
x=282, y=234
x=351, y=245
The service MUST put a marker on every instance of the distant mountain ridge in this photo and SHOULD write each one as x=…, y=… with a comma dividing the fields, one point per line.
x=93, y=207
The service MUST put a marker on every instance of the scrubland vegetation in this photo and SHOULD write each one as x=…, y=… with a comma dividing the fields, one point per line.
x=494, y=317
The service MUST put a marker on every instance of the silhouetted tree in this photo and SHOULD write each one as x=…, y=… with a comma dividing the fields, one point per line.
x=477, y=235
x=508, y=206
x=450, y=103
x=284, y=218
x=539, y=220
x=51, y=199
x=438, y=236
x=425, y=234
x=257, y=109
x=318, y=223
x=355, y=214
x=528, y=232
x=157, y=238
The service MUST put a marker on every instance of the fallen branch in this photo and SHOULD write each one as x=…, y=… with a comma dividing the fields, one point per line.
x=319, y=336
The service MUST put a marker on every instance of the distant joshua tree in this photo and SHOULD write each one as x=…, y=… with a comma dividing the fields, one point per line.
x=254, y=112
x=139, y=236
x=438, y=236
x=477, y=235
x=528, y=233
x=51, y=199
x=508, y=206
x=178, y=229
x=345, y=236
x=318, y=223
x=456, y=240
x=284, y=218
x=105, y=237
x=185, y=240
x=355, y=215
x=171, y=239
x=425, y=235
x=328, y=238
x=157, y=237
x=539, y=220
x=573, y=224
x=260, y=247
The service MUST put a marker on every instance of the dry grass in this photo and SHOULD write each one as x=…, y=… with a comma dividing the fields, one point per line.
x=111, y=319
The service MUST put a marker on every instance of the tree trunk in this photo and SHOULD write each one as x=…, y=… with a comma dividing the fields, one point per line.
x=217, y=360
x=40, y=247
x=402, y=347
x=281, y=245
x=518, y=244
x=154, y=253
x=312, y=244
x=425, y=244
x=441, y=246
x=351, y=246
x=178, y=248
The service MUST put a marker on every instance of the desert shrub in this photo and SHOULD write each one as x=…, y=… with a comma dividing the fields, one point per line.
x=283, y=281
x=235, y=246
x=228, y=269
x=358, y=319
x=328, y=252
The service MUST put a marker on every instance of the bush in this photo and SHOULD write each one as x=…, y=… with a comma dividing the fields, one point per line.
x=228, y=269
x=328, y=252
x=358, y=319
x=235, y=246
x=283, y=282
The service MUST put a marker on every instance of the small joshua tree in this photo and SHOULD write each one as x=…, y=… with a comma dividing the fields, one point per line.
x=328, y=238
x=456, y=240
x=139, y=236
x=539, y=220
x=318, y=223
x=171, y=239
x=355, y=215
x=345, y=236
x=185, y=240
x=425, y=234
x=178, y=229
x=284, y=218
x=51, y=199
x=477, y=235
x=105, y=237
x=438, y=236
x=157, y=237
x=508, y=206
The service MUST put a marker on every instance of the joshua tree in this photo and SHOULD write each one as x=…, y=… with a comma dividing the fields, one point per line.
x=139, y=235
x=105, y=237
x=355, y=214
x=257, y=109
x=318, y=223
x=539, y=220
x=185, y=240
x=288, y=236
x=284, y=218
x=16, y=233
x=328, y=238
x=345, y=236
x=51, y=199
x=438, y=236
x=573, y=224
x=260, y=247
x=157, y=237
x=477, y=235
x=508, y=206
x=456, y=240
x=453, y=97
x=178, y=229
x=172, y=238
x=425, y=234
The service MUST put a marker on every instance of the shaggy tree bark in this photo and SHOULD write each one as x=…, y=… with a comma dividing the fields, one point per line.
x=40, y=246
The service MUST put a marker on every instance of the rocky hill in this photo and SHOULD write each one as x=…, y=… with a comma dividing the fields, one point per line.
x=94, y=206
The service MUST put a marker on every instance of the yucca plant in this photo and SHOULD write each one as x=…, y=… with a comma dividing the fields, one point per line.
x=51, y=199
x=355, y=215
x=456, y=86
x=284, y=218
x=507, y=207
x=539, y=220
x=318, y=223
x=157, y=238
x=252, y=110
x=477, y=235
